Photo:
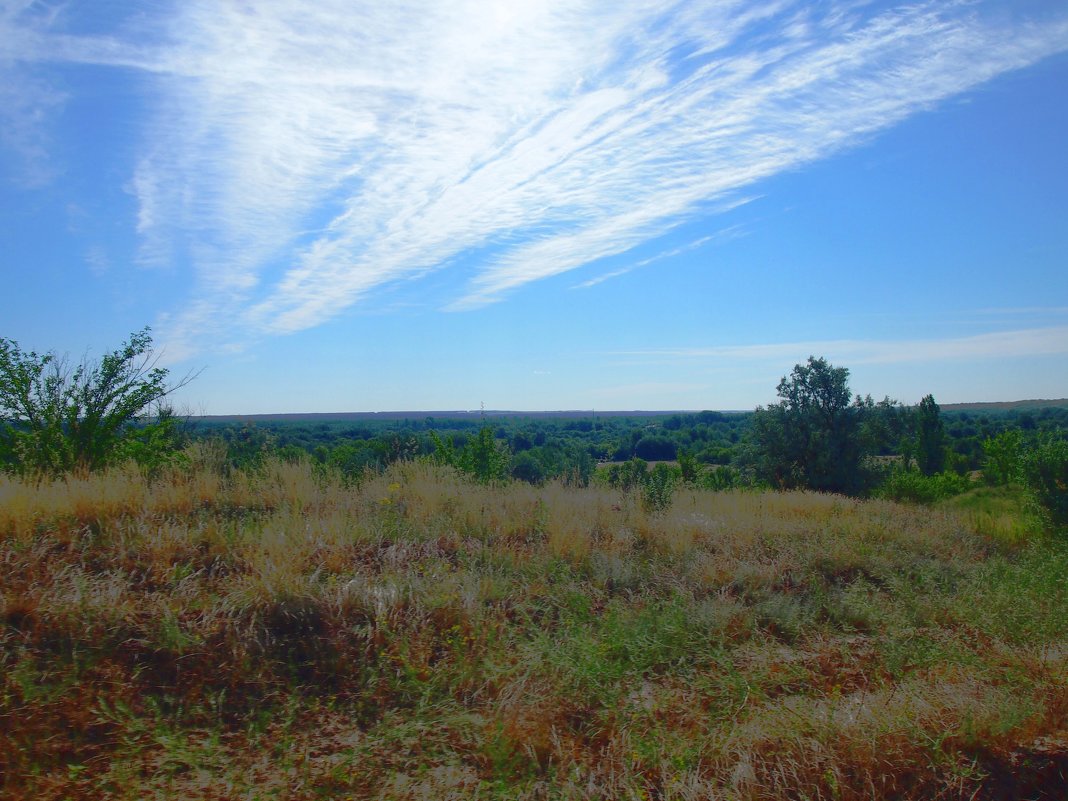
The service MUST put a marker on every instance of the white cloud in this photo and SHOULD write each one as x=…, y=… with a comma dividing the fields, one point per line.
x=304, y=154
x=998, y=345
x=732, y=232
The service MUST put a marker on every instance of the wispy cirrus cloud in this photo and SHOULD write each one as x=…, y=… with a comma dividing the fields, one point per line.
x=731, y=232
x=1052, y=340
x=303, y=155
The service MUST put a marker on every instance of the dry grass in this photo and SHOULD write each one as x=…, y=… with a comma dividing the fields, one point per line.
x=282, y=635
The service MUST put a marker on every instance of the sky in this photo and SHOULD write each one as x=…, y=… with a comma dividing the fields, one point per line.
x=349, y=206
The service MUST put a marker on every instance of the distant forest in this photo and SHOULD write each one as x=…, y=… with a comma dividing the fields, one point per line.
x=551, y=444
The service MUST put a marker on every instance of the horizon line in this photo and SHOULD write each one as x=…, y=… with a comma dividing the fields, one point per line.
x=423, y=413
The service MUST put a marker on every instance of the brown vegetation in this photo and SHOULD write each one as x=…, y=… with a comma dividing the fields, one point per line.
x=281, y=634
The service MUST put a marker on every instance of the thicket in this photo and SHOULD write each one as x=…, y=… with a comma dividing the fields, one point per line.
x=1045, y=473
x=57, y=417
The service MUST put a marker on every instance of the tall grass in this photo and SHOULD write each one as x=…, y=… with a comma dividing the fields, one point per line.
x=285, y=633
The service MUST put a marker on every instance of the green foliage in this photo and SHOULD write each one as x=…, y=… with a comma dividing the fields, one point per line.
x=567, y=448
x=688, y=467
x=57, y=418
x=658, y=487
x=627, y=475
x=1001, y=461
x=930, y=437
x=654, y=448
x=444, y=451
x=249, y=446
x=352, y=459
x=577, y=470
x=915, y=487
x=482, y=457
x=1045, y=474
x=526, y=467
x=158, y=444
x=655, y=487
x=811, y=438
x=886, y=429
x=720, y=478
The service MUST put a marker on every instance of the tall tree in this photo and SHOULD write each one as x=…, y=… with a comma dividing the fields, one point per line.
x=811, y=438
x=930, y=437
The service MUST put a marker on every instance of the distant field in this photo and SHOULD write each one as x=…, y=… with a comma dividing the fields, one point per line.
x=217, y=634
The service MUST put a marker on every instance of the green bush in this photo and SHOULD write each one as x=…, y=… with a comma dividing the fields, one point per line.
x=1001, y=457
x=1045, y=474
x=56, y=418
x=526, y=467
x=721, y=477
x=658, y=487
x=912, y=486
x=627, y=475
x=482, y=457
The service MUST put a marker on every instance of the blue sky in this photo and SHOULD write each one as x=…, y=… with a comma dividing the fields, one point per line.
x=343, y=206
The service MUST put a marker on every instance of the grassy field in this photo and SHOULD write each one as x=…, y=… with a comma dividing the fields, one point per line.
x=214, y=634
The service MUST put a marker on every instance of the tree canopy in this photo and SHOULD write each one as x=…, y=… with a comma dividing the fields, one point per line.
x=812, y=437
x=58, y=418
x=930, y=437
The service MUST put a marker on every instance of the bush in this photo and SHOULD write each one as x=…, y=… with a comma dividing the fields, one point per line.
x=626, y=475
x=482, y=456
x=55, y=418
x=912, y=486
x=654, y=448
x=720, y=478
x=526, y=467
x=657, y=488
x=1045, y=474
x=1001, y=457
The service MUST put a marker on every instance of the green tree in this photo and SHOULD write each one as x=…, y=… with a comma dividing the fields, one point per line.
x=654, y=448
x=57, y=418
x=481, y=457
x=1045, y=474
x=689, y=469
x=812, y=437
x=1001, y=460
x=930, y=437
x=484, y=458
x=526, y=467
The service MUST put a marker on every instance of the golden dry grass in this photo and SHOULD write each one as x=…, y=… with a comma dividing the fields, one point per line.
x=215, y=634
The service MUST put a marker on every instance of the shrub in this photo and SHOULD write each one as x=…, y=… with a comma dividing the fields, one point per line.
x=722, y=477
x=914, y=487
x=655, y=448
x=1001, y=460
x=657, y=488
x=482, y=457
x=526, y=467
x=688, y=466
x=55, y=418
x=1045, y=474
x=626, y=475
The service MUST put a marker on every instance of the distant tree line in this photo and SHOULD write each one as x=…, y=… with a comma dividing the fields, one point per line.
x=57, y=417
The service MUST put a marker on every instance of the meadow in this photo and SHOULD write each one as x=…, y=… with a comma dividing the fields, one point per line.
x=290, y=632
